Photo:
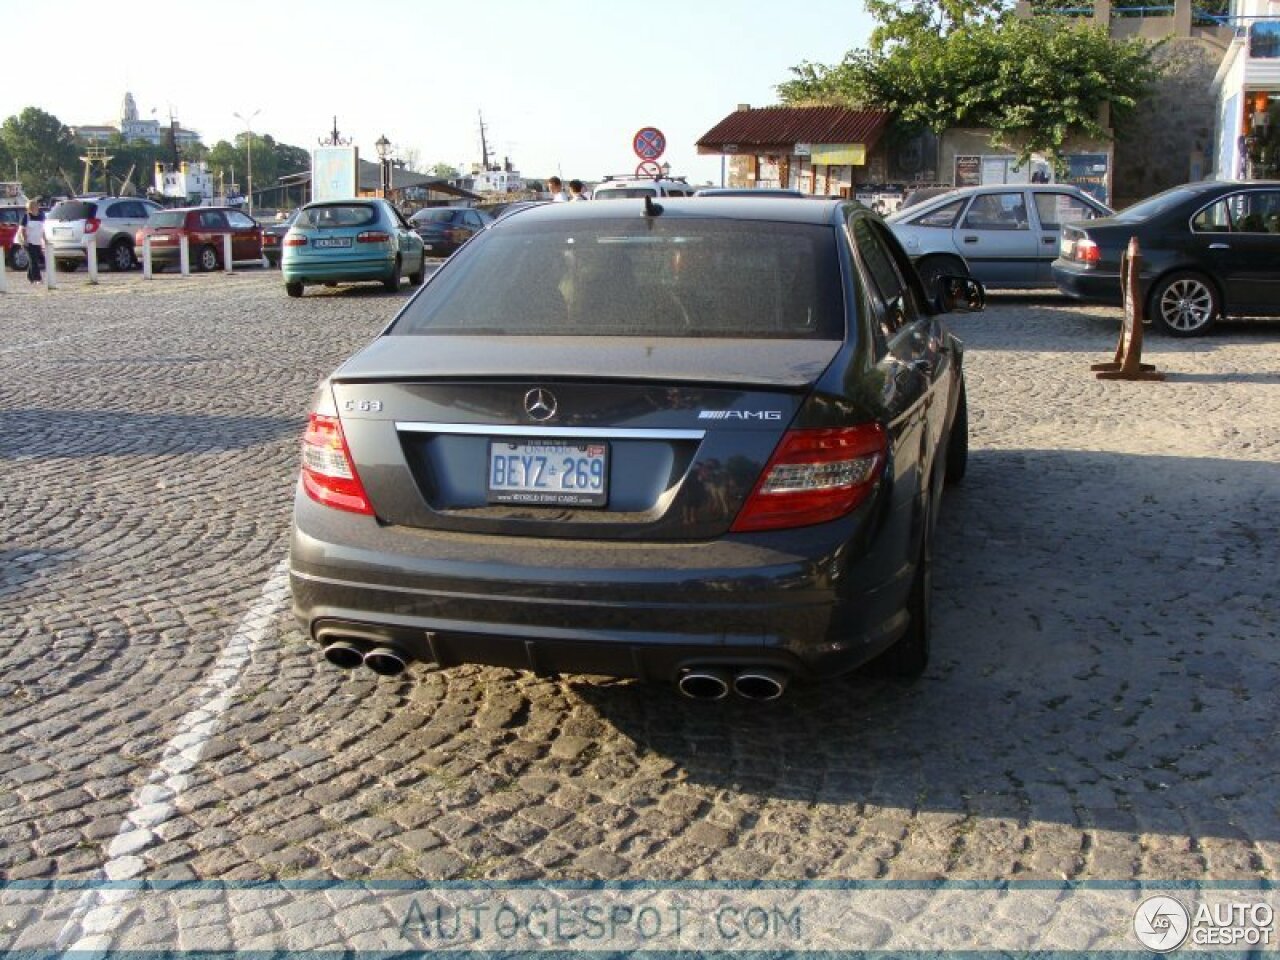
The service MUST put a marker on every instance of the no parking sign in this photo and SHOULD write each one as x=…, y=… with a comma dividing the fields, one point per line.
x=649, y=143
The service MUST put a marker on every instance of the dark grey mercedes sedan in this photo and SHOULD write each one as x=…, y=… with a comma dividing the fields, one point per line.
x=700, y=441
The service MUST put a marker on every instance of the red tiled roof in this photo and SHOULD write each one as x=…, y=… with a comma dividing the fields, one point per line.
x=783, y=125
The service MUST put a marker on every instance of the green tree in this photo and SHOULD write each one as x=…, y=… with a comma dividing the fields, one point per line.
x=42, y=148
x=445, y=171
x=970, y=63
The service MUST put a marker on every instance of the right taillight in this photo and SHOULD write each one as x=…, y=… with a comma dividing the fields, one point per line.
x=92, y=224
x=815, y=475
x=328, y=474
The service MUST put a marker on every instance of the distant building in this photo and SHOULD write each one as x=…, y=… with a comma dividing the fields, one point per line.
x=1248, y=88
x=131, y=128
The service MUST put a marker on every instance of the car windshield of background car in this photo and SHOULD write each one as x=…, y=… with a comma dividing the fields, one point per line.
x=1154, y=206
x=73, y=210
x=639, y=277
x=1055, y=209
x=435, y=216
x=337, y=215
x=167, y=219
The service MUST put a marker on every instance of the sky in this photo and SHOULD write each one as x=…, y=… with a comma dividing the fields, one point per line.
x=563, y=86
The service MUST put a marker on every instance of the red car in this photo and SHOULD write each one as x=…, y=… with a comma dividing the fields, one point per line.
x=15, y=256
x=204, y=228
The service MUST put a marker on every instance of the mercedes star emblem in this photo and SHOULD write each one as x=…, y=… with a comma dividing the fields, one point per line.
x=540, y=404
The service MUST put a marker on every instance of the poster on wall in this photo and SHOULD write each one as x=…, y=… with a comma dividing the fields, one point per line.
x=968, y=171
x=1088, y=171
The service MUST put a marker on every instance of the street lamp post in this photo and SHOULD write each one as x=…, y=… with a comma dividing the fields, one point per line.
x=248, y=145
x=383, y=146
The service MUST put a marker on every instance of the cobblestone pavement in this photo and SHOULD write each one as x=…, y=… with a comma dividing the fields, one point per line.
x=1102, y=702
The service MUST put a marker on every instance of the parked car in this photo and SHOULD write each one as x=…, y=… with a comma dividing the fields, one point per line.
x=678, y=442
x=1209, y=250
x=350, y=240
x=628, y=188
x=204, y=228
x=918, y=195
x=273, y=237
x=1007, y=235
x=15, y=254
x=444, y=229
x=112, y=222
x=748, y=192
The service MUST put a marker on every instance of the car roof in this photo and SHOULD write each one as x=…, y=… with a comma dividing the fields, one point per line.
x=748, y=192
x=782, y=209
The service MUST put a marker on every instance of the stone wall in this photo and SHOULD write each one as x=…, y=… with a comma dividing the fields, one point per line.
x=1168, y=138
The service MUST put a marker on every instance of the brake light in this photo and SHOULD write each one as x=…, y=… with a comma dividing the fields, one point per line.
x=92, y=224
x=1086, y=251
x=328, y=475
x=372, y=236
x=293, y=240
x=814, y=476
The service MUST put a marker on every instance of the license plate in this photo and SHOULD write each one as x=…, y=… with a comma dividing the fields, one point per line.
x=63, y=233
x=549, y=472
x=427, y=246
x=159, y=238
x=332, y=242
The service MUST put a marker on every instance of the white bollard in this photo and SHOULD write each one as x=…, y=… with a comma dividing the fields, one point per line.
x=184, y=255
x=4, y=270
x=50, y=269
x=226, y=253
x=91, y=259
x=146, y=257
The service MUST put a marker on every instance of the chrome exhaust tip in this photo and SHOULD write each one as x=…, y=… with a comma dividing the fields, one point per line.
x=344, y=654
x=704, y=684
x=760, y=684
x=384, y=661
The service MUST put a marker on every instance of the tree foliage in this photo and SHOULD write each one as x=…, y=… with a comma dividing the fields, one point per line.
x=42, y=147
x=970, y=63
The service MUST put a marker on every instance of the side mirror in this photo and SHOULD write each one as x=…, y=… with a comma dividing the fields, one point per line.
x=958, y=294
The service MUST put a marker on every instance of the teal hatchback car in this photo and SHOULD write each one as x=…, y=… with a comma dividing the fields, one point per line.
x=335, y=241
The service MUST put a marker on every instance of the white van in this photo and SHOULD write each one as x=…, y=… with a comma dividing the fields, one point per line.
x=621, y=188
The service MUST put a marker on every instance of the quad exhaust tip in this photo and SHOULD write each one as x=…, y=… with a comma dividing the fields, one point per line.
x=384, y=661
x=704, y=684
x=344, y=654
x=760, y=684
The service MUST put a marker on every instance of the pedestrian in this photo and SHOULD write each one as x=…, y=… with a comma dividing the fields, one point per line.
x=556, y=186
x=31, y=232
x=576, y=188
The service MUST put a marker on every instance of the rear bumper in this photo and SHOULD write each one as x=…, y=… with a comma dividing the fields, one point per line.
x=789, y=600
x=1084, y=284
x=312, y=270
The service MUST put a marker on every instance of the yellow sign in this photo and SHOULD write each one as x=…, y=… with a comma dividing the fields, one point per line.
x=839, y=154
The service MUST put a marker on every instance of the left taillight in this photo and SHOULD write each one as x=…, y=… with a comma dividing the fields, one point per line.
x=328, y=473
x=815, y=475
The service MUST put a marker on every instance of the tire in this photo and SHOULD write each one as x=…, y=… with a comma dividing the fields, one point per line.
x=206, y=259
x=293, y=289
x=18, y=258
x=958, y=440
x=908, y=658
x=933, y=267
x=1185, y=304
x=392, y=283
x=419, y=276
x=120, y=256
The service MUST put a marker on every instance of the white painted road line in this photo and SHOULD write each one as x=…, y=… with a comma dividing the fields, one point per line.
x=99, y=911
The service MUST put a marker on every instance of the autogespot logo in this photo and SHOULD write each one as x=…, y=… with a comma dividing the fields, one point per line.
x=1161, y=923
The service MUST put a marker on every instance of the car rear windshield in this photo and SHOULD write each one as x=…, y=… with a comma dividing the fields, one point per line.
x=335, y=215
x=168, y=218
x=639, y=277
x=1154, y=206
x=435, y=216
x=73, y=210
x=11, y=214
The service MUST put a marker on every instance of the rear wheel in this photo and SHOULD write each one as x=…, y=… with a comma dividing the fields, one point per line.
x=66, y=266
x=392, y=282
x=958, y=441
x=121, y=256
x=419, y=276
x=207, y=259
x=1185, y=304
x=908, y=658
x=293, y=289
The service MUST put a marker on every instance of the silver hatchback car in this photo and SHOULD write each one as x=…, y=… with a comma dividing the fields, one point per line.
x=1006, y=234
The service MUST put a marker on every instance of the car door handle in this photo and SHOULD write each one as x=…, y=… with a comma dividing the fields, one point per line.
x=970, y=239
x=1048, y=241
x=1219, y=246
